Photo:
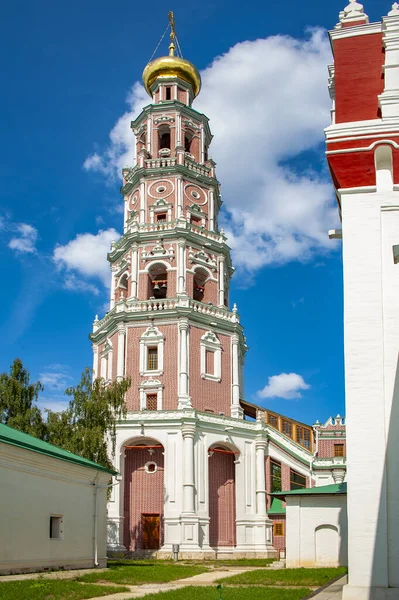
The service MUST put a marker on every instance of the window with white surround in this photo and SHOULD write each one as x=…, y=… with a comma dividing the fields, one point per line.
x=151, y=394
x=151, y=352
x=211, y=357
x=56, y=527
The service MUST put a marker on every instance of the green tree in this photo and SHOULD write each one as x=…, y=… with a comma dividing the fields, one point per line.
x=17, y=398
x=90, y=420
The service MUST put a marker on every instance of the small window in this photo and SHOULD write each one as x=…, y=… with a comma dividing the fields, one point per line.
x=209, y=362
x=339, y=450
x=196, y=220
x=161, y=217
x=278, y=529
x=168, y=93
x=151, y=402
x=275, y=475
x=152, y=359
x=297, y=481
x=272, y=420
x=56, y=528
x=303, y=436
x=287, y=428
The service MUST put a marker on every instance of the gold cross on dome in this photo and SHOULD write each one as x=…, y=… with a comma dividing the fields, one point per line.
x=171, y=17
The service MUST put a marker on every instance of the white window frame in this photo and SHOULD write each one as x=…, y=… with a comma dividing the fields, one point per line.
x=60, y=527
x=151, y=338
x=210, y=342
x=150, y=386
x=160, y=207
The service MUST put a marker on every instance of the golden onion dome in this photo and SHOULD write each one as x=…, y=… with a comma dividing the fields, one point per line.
x=171, y=66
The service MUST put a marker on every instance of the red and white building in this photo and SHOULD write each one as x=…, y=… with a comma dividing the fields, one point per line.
x=198, y=463
x=363, y=156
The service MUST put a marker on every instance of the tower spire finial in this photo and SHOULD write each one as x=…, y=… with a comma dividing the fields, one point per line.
x=172, y=47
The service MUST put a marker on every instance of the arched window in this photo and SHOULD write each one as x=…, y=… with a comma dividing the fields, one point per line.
x=122, y=287
x=187, y=142
x=199, y=283
x=164, y=138
x=141, y=142
x=157, y=282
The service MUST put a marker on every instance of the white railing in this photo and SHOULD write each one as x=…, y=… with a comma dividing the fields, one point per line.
x=164, y=304
x=197, y=168
x=158, y=163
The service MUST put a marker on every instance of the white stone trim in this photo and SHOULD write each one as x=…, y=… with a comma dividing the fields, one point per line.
x=150, y=338
x=211, y=343
x=150, y=386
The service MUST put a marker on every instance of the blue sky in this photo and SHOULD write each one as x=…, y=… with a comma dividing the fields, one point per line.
x=68, y=69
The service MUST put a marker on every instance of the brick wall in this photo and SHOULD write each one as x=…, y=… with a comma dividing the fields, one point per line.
x=144, y=494
x=222, y=510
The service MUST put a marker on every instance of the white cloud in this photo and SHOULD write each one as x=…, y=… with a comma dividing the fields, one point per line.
x=56, y=377
x=268, y=103
x=25, y=240
x=86, y=255
x=53, y=403
x=285, y=385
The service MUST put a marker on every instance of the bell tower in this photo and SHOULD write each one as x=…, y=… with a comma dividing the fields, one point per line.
x=170, y=327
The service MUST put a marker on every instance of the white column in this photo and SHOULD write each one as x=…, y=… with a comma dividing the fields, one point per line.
x=178, y=130
x=149, y=134
x=121, y=351
x=184, y=399
x=181, y=266
x=179, y=198
x=211, y=210
x=142, y=201
x=260, y=478
x=95, y=361
x=236, y=410
x=202, y=155
x=112, y=293
x=188, y=431
x=134, y=272
x=221, y=280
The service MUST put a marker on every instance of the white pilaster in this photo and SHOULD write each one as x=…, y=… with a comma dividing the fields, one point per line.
x=178, y=130
x=95, y=361
x=211, y=210
x=112, y=292
x=389, y=99
x=181, y=267
x=221, y=280
x=189, y=518
x=260, y=478
x=149, y=134
x=142, y=201
x=121, y=351
x=179, y=198
x=184, y=398
x=236, y=410
x=134, y=272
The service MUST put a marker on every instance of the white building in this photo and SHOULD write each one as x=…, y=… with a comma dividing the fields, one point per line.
x=317, y=527
x=52, y=506
x=363, y=156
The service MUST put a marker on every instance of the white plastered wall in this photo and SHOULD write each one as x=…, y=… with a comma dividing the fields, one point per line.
x=371, y=292
x=317, y=531
x=33, y=488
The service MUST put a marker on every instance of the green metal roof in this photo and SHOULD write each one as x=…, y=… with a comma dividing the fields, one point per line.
x=334, y=488
x=277, y=507
x=11, y=436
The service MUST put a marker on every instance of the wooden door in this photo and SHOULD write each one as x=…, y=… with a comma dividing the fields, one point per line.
x=151, y=531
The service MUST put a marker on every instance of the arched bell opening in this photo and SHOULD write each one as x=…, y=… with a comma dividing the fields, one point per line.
x=143, y=494
x=164, y=139
x=222, y=495
x=157, y=282
x=200, y=280
x=122, y=288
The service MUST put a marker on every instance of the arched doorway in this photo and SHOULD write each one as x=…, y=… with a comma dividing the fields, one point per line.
x=143, y=495
x=222, y=496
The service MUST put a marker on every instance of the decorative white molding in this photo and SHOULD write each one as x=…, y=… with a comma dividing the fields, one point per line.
x=150, y=386
x=202, y=258
x=210, y=343
x=158, y=251
x=395, y=10
x=152, y=337
x=352, y=13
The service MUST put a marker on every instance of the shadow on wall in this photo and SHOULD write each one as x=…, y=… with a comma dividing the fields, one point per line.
x=385, y=568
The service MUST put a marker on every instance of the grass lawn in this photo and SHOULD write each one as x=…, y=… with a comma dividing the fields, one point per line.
x=53, y=589
x=314, y=577
x=137, y=572
x=241, y=593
